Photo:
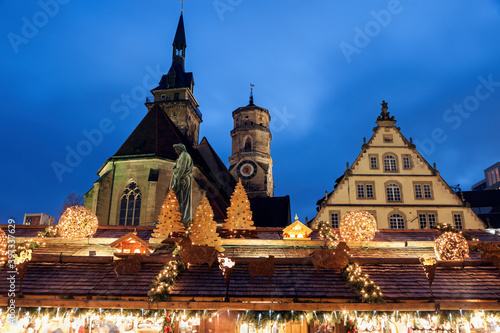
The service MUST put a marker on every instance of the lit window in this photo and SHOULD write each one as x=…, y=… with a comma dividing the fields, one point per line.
x=373, y=162
x=406, y=162
x=335, y=220
x=130, y=205
x=390, y=163
x=457, y=219
x=393, y=192
x=396, y=221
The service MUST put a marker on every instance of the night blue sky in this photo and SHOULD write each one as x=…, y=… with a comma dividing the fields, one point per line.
x=320, y=67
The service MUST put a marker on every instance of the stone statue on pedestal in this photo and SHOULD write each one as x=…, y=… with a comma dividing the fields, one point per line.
x=181, y=181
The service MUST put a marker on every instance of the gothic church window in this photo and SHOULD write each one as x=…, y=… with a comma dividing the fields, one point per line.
x=130, y=205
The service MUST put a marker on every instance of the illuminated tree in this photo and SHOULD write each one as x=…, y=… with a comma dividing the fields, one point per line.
x=72, y=199
x=3, y=243
x=77, y=222
x=203, y=230
x=239, y=215
x=170, y=217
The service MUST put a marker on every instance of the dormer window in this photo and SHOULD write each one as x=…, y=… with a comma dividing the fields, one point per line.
x=387, y=138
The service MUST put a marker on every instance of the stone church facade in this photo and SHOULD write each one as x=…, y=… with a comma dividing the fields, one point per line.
x=133, y=183
x=392, y=181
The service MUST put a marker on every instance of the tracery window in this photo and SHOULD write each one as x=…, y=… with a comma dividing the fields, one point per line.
x=130, y=205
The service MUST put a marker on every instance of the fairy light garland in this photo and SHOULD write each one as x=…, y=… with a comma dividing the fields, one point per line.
x=51, y=231
x=451, y=246
x=357, y=225
x=362, y=284
x=77, y=222
x=354, y=321
x=159, y=291
x=326, y=232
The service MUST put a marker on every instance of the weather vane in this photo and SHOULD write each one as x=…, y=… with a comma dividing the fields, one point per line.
x=182, y=4
x=251, y=93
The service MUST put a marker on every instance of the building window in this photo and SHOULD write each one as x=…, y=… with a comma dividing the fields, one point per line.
x=393, y=192
x=130, y=205
x=396, y=221
x=373, y=162
x=406, y=162
x=418, y=191
x=458, y=220
x=427, y=191
x=176, y=96
x=423, y=191
x=390, y=163
x=427, y=220
x=334, y=217
x=387, y=138
x=163, y=97
x=365, y=191
x=361, y=191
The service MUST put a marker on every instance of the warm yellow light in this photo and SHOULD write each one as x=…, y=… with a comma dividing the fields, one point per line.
x=451, y=246
x=78, y=221
x=358, y=225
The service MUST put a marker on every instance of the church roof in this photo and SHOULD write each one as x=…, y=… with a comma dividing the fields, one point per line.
x=155, y=135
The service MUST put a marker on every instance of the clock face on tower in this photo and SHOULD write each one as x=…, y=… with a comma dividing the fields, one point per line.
x=247, y=169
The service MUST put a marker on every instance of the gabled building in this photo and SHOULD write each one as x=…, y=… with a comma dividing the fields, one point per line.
x=392, y=181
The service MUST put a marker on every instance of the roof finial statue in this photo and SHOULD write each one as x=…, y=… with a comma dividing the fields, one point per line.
x=384, y=115
x=251, y=94
x=182, y=4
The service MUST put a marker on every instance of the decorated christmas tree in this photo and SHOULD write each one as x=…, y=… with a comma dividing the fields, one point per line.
x=239, y=215
x=170, y=217
x=203, y=230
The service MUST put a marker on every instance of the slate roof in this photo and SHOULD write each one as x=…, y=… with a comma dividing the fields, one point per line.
x=155, y=135
x=82, y=279
x=408, y=282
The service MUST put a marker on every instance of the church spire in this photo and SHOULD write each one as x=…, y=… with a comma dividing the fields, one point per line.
x=179, y=44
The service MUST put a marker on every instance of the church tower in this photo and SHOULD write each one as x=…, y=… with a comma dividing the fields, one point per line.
x=251, y=150
x=174, y=93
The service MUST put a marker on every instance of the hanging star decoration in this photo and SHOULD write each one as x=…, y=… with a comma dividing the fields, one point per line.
x=429, y=264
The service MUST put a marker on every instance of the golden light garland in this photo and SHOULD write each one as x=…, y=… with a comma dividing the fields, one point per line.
x=362, y=284
x=77, y=222
x=326, y=232
x=3, y=243
x=451, y=246
x=49, y=319
x=163, y=283
x=358, y=225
